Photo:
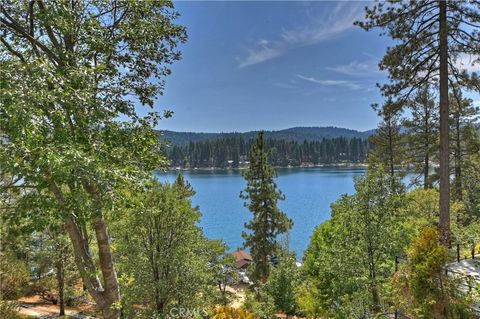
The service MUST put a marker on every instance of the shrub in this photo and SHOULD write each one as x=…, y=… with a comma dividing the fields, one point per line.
x=263, y=308
x=424, y=290
x=46, y=288
x=8, y=309
x=14, y=276
x=227, y=312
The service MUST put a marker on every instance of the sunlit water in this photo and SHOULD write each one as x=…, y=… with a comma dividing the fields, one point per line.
x=309, y=193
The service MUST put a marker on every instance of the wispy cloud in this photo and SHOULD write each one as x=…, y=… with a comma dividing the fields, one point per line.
x=264, y=51
x=355, y=68
x=348, y=84
x=328, y=25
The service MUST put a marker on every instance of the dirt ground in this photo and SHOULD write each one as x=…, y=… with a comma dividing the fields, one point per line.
x=239, y=293
x=37, y=307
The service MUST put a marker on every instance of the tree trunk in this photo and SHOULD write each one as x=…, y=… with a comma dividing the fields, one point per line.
x=104, y=297
x=111, y=292
x=426, y=167
x=426, y=182
x=60, y=265
x=458, y=159
x=390, y=146
x=444, y=223
x=375, y=298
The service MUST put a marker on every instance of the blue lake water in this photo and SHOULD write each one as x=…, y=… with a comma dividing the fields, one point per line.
x=309, y=193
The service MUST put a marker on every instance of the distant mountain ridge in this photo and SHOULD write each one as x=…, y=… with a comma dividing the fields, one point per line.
x=297, y=134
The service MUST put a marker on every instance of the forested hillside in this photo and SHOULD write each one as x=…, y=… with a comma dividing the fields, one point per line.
x=233, y=151
x=297, y=134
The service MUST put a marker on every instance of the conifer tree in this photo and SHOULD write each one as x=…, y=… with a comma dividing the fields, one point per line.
x=388, y=142
x=422, y=133
x=433, y=37
x=463, y=120
x=261, y=196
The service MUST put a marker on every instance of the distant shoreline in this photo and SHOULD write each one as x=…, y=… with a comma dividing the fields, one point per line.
x=344, y=165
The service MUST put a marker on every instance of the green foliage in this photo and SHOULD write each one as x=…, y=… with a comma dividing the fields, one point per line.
x=218, y=152
x=282, y=284
x=8, y=309
x=422, y=134
x=227, y=312
x=464, y=139
x=309, y=299
x=14, y=276
x=163, y=263
x=431, y=37
x=46, y=287
x=224, y=271
x=471, y=184
x=76, y=141
x=420, y=210
x=388, y=142
x=412, y=62
x=262, y=307
x=423, y=289
x=351, y=256
x=261, y=196
x=297, y=134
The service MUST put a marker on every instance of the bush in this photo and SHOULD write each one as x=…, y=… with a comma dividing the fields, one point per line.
x=227, y=312
x=424, y=290
x=46, y=288
x=8, y=309
x=14, y=276
x=263, y=308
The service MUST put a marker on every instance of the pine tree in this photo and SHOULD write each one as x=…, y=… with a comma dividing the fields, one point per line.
x=432, y=37
x=422, y=132
x=261, y=196
x=464, y=117
x=184, y=188
x=388, y=142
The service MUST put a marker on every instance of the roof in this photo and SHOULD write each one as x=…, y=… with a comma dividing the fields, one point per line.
x=242, y=263
x=242, y=255
x=242, y=258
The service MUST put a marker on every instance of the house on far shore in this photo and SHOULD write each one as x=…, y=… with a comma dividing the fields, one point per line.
x=242, y=259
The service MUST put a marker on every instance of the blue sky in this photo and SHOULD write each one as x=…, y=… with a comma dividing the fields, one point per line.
x=273, y=65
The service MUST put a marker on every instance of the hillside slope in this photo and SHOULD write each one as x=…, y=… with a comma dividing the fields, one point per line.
x=297, y=134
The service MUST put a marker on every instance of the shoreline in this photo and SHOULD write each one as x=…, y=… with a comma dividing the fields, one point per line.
x=344, y=165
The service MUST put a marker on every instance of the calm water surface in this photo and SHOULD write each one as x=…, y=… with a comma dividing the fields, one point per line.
x=309, y=193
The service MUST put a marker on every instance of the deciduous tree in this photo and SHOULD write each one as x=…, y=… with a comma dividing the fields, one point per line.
x=164, y=262
x=71, y=75
x=350, y=257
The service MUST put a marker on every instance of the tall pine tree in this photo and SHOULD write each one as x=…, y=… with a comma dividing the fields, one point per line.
x=261, y=196
x=432, y=38
x=387, y=142
x=422, y=133
x=463, y=133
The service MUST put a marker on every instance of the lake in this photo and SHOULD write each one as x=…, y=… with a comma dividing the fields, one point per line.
x=309, y=193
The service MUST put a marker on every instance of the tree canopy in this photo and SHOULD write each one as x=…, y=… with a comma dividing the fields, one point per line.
x=69, y=70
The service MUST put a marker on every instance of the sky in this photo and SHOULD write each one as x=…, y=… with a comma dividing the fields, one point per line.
x=273, y=65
